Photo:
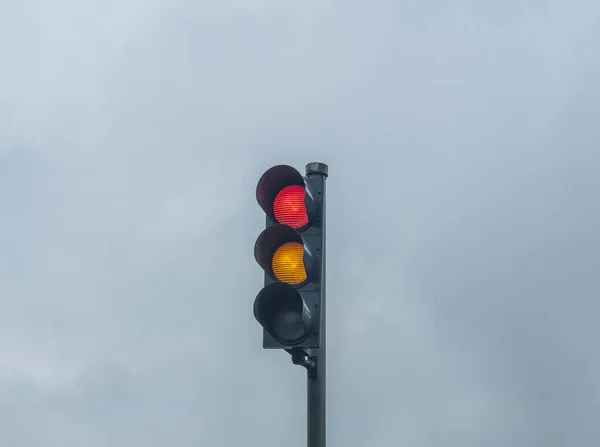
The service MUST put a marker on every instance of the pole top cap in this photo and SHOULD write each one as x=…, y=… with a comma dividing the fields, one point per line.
x=317, y=168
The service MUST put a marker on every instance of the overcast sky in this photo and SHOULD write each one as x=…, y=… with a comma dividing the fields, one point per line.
x=462, y=139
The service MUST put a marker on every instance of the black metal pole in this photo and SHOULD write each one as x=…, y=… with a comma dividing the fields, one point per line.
x=316, y=391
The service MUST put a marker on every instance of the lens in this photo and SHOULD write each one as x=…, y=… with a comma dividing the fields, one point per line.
x=289, y=207
x=283, y=312
x=288, y=325
x=288, y=263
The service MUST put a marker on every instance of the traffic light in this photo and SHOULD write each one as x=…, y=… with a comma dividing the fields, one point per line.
x=291, y=252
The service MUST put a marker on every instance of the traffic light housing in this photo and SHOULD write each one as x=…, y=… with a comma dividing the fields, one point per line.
x=290, y=251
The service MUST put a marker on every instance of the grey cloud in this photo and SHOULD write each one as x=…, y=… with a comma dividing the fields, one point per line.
x=462, y=212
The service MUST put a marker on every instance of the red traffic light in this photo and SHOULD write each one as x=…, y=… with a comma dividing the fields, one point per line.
x=282, y=194
x=291, y=252
x=289, y=207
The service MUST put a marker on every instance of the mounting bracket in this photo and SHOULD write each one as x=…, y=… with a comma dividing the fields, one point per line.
x=302, y=358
